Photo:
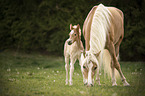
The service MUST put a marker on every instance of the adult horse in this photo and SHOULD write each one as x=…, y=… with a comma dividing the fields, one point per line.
x=72, y=50
x=102, y=29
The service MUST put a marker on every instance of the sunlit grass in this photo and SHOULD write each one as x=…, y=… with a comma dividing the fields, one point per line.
x=38, y=75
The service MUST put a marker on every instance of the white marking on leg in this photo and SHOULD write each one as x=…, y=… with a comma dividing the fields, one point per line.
x=97, y=77
x=90, y=81
x=71, y=71
x=67, y=68
x=125, y=83
x=113, y=77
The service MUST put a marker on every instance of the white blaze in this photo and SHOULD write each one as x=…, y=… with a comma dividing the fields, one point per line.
x=72, y=32
x=90, y=74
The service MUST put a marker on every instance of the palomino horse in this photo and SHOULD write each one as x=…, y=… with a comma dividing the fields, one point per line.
x=102, y=29
x=72, y=50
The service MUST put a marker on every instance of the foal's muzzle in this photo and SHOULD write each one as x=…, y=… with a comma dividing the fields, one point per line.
x=69, y=42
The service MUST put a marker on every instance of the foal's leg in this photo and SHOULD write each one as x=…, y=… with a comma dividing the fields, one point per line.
x=116, y=63
x=66, y=68
x=71, y=70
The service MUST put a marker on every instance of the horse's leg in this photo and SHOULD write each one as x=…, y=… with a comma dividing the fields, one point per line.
x=97, y=77
x=113, y=75
x=66, y=68
x=117, y=46
x=71, y=70
x=116, y=63
x=85, y=77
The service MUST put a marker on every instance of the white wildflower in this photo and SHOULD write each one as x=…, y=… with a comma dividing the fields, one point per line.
x=28, y=73
x=114, y=94
x=82, y=92
x=9, y=70
x=18, y=72
x=38, y=68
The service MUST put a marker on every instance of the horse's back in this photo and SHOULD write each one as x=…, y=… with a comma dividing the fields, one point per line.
x=116, y=29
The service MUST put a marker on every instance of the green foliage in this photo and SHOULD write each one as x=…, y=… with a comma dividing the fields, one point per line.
x=44, y=24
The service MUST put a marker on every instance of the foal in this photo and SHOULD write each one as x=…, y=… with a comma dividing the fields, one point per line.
x=72, y=50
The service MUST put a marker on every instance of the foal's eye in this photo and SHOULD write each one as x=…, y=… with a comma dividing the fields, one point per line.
x=84, y=67
x=95, y=68
x=75, y=34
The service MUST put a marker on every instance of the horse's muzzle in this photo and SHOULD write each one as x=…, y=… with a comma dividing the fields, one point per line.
x=91, y=85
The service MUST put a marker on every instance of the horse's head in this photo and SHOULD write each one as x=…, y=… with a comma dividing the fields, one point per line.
x=74, y=34
x=89, y=65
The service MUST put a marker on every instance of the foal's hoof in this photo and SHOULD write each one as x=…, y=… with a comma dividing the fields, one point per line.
x=70, y=84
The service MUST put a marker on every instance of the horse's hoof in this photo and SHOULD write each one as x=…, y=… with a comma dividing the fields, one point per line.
x=85, y=84
x=127, y=84
x=66, y=83
x=99, y=84
x=114, y=84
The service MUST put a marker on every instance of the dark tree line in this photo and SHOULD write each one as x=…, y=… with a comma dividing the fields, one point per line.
x=44, y=24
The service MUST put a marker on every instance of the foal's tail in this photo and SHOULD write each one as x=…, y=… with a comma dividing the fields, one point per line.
x=107, y=64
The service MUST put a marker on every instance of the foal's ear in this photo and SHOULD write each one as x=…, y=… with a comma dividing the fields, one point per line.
x=98, y=54
x=71, y=27
x=78, y=25
x=78, y=28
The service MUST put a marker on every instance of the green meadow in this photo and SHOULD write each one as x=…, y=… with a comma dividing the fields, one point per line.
x=23, y=74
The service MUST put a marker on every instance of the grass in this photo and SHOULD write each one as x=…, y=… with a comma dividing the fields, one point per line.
x=38, y=75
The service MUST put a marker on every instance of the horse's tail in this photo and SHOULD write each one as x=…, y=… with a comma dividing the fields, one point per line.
x=107, y=64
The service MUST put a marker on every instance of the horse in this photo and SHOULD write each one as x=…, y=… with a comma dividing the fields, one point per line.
x=72, y=50
x=103, y=30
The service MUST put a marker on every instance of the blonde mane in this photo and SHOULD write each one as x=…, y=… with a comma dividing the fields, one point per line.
x=99, y=29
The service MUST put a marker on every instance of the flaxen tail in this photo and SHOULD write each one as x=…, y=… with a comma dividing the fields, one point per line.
x=107, y=64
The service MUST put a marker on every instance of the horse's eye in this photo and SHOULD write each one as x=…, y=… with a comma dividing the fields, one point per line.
x=75, y=34
x=95, y=68
x=84, y=67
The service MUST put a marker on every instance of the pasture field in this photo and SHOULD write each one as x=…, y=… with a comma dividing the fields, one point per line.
x=34, y=74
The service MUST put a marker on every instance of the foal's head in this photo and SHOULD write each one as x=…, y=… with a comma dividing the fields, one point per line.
x=75, y=34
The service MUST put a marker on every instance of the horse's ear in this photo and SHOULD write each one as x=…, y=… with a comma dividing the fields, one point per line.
x=98, y=54
x=71, y=27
